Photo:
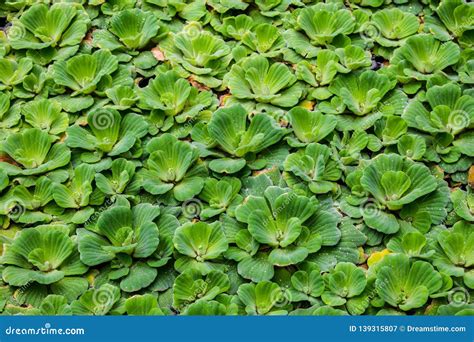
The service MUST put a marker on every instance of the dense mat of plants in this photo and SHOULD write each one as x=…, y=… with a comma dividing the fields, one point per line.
x=264, y=157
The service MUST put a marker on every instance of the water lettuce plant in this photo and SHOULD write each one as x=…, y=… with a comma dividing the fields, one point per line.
x=199, y=53
x=232, y=157
x=34, y=152
x=256, y=79
x=83, y=72
x=130, y=29
x=49, y=33
x=47, y=258
x=173, y=166
x=230, y=131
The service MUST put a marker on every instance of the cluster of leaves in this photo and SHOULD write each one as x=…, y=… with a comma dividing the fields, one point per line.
x=237, y=157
